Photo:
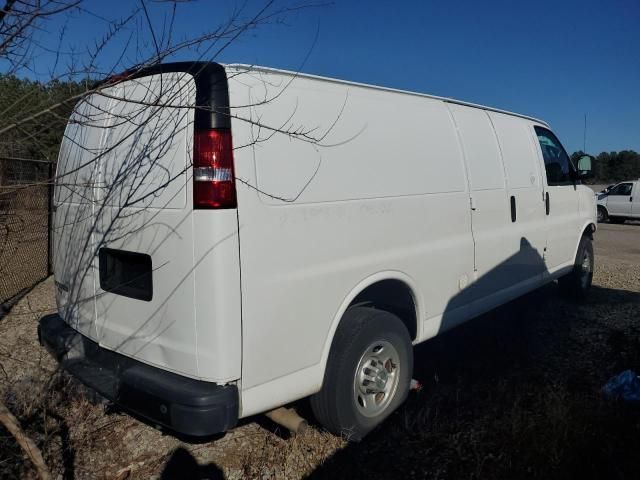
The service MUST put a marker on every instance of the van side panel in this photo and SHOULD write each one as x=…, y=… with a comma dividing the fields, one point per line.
x=382, y=145
x=321, y=209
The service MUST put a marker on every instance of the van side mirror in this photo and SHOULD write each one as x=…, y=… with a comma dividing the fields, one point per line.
x=585, y=167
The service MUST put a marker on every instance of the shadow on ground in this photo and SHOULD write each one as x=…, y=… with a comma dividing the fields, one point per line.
x=515, y=394
x=182, y=465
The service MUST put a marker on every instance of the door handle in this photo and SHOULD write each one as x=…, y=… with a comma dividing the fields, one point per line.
x=631, y=199
x=546, y=203
x=513, y=208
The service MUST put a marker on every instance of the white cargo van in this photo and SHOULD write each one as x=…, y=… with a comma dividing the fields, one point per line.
x=620, y=202
x=229, y=239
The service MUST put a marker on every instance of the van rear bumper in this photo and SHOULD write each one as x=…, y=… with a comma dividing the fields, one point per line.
x=184, y=405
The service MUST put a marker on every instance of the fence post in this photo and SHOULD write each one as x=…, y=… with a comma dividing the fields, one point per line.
x=49, y=217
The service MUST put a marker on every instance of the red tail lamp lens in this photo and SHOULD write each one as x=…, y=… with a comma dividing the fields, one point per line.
x=213, y=176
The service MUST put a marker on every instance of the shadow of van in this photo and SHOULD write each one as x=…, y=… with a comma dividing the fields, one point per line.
x=512, y=274
x=512, y=394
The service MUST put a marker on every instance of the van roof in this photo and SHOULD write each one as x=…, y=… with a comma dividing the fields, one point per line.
x=376, y=87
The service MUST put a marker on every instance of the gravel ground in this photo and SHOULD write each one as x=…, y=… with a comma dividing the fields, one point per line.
x=512, y=394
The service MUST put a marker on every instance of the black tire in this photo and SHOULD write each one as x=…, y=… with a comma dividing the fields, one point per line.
x=340, y=404
x=578, y=283
x=616, y=219
x=603, y=216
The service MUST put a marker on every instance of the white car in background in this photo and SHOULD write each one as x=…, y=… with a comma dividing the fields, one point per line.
x=620, y=203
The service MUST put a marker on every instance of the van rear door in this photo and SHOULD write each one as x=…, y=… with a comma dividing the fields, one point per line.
x=143, y=233
x=147, y=287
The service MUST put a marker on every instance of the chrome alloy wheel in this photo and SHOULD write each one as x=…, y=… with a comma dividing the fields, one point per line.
x=376, y=378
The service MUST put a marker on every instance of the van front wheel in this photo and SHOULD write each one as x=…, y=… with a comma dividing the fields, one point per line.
x=367, y=375
x=578, y=282
x=603, y=216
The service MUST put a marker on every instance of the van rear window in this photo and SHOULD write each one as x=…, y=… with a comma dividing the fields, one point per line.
x=126, y=273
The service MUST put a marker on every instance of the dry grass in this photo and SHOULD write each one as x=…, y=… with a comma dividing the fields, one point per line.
x=514, y=394
x=80, y=440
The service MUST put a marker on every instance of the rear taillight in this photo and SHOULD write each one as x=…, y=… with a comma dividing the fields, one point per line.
x=213, y=177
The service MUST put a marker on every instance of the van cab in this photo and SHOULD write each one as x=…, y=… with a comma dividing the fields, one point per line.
x=231, y=238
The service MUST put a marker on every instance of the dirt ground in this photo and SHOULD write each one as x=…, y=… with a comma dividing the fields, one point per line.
x=512, y=394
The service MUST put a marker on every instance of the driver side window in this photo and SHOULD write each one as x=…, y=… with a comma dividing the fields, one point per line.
x=623, y=189
x=556, y=161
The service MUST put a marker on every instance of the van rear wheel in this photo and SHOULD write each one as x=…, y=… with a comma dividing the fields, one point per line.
x=367, y=375
x=578, y=283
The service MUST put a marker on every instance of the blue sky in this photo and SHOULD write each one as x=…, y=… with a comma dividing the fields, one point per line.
x=555, y=60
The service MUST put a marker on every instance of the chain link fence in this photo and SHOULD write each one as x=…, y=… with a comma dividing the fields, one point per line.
x=25, y=217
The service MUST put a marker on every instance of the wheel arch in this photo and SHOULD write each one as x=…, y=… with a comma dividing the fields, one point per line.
x=358, y=292
x=587, y=230
x=604, y=207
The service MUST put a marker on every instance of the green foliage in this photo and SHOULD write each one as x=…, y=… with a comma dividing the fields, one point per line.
x=612, y=167
x=39, y=112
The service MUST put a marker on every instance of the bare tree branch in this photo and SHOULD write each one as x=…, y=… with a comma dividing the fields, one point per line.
x=28, y=446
